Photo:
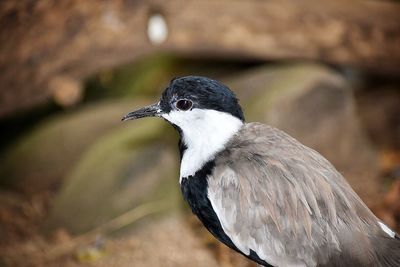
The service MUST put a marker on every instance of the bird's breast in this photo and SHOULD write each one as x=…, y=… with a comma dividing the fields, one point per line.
x=195, y=192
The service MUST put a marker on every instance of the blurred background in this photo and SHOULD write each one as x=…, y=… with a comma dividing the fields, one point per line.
x=79, y=188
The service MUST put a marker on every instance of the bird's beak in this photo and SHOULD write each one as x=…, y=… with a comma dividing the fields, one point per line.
x=148, y=111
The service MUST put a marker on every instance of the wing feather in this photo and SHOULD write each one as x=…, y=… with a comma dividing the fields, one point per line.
x=283, y=200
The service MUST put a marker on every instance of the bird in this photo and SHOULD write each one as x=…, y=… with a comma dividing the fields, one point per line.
x=260, y=191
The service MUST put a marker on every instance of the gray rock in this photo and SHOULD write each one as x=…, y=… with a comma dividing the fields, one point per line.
x=315, y=105
x=42, y=157
x=123, y=169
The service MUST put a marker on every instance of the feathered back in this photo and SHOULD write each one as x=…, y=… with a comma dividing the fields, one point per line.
x=287, y=203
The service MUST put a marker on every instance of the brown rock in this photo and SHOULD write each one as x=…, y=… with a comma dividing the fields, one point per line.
x=44, y=39
x=379, y=111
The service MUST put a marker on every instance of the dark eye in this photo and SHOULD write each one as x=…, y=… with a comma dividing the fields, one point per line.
x=184, y=104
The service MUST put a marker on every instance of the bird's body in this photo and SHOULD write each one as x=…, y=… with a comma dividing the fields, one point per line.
x=261, y=192
x=260, y=203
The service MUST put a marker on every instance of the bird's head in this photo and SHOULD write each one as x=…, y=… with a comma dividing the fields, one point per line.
x=206, y=114
x=195, y=105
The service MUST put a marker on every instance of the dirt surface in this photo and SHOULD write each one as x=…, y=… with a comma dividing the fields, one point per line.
x=158, y=243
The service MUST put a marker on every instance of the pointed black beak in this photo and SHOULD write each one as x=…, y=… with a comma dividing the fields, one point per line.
x=148, y=111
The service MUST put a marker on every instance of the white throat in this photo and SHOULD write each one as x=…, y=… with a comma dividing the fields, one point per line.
x=205, y=133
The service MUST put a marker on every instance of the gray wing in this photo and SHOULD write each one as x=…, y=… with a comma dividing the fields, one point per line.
x=287, y=203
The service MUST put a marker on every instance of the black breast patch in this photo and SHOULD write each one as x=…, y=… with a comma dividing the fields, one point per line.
x=194, y=189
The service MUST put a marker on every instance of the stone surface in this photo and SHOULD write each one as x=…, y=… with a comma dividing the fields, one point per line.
x=123, y=169
x=45, y=39
x=42, y=157
x=315, y=105
x=379, y=110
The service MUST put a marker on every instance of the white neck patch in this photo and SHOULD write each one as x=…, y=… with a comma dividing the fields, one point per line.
x=205, y=132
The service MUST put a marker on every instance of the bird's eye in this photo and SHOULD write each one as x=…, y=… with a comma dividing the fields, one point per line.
x=184, y=104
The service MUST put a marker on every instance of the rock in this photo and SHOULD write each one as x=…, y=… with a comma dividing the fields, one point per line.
x=125, y=168
x=315, y=105
x=380, y=114
x=389, y=208
x=41, y=158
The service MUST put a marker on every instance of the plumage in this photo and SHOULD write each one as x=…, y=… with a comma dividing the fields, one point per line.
x=323, y=218
x=263, y=193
